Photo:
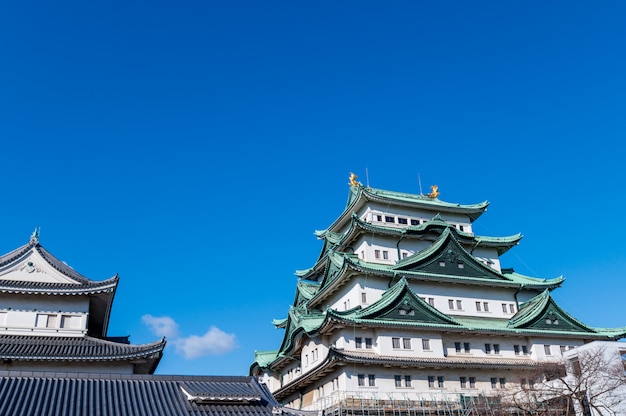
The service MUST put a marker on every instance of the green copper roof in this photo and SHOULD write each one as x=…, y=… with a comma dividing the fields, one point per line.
x=399, y=303
x=263, y=358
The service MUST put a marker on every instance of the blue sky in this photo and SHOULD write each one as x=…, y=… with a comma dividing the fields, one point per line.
x=194, y=147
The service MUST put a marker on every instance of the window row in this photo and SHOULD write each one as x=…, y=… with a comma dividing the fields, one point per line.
x=406, y=343
x=392, y=219
x=371, y=380
x=466, y=382
x=547, y=349
x=465, y=347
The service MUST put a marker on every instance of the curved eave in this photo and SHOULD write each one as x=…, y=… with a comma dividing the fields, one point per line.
x=532, y=282
x=360, y=195
x=29, y=288
x=133, y=352
x=338, y=357
x=426, y=230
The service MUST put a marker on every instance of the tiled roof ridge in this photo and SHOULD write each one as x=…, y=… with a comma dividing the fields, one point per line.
x=121, y=376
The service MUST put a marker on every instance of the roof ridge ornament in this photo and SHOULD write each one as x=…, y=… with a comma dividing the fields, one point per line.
x=434, y=192
x=34, y=237
x=353, y=180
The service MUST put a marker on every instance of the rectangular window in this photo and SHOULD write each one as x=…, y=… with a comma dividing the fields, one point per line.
x=407, y=381
x=379, y=218
x=426, y=344
x=442, y=263
x=431, y=381
x=361, y=379
x=415, y=222
x=460, y=265
x=431, y=302
x=402, y=220
x=477, y=306
x=504, y=308
x=385, y=255
x=502, y=383
x=463, y=381
x=487, y=348
x=377, y=254
x=494, y=383
x=371, y=378
x=459, y=304
x=461, y=228
x=525, y=349
x=466, y=347
x=486, y=306
x=451, y=304
x=359, y=342
x=395, y=343
x=390, y=219
x=457, y=347
x=546, y=349
x=368, y=343
x=440, y=381
x=398, y=380
x=563, y=349
x=363, y=297
x=496, y=348
x=511, y=308
x=405, y=255
x=523, y=383
x=516, y=349
x=472, y=381
x=406, y=343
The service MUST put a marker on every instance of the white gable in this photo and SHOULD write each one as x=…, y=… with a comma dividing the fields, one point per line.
x=33, y=268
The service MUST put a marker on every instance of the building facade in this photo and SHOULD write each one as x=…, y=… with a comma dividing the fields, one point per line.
x=407, y=308
x=54, y=319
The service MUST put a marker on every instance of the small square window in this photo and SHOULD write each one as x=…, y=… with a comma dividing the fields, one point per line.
x=487, y=348
x=494, y=383
x=450, y=303
x=363, y=297
x=377, y=254
x=442, y=263
x=398, y=380
x=402, y=220
x=486, y=306
x=371, y=378
x=457, y=347
x=431, y=301
x=405, y=255
x=466, y=347
x=547, y=350
x=415, y=222
x=406, y=343
x=461, y=228
x=395, y=343
x=502, y=382
x=511, y=308
x=459, y=304
x=496, y=348
x=563, y=349
x=407, y=381
x=426, y=344
x=361, y=379
x=460, y=265
x=525, y=349
x=379, y=218
x=516, y=349
x=504, y=308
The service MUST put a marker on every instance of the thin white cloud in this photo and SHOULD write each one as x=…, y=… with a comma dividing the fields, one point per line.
x=214, y=342
x=162, y=326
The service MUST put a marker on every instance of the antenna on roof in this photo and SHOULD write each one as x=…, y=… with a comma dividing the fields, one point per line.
x=367, y=177
x=419, y=180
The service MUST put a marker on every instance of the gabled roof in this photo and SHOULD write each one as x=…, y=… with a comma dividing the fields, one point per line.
x=63, y=394
x=31, y=269
x=544, y=314
x=361, y=195
x=398, y=305
x=79, y=349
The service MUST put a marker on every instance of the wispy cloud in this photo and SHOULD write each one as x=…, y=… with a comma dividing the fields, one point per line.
x=162, y=326
x=213, y=342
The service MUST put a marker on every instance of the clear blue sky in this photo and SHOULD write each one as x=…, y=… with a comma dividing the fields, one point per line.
x=194, y=147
